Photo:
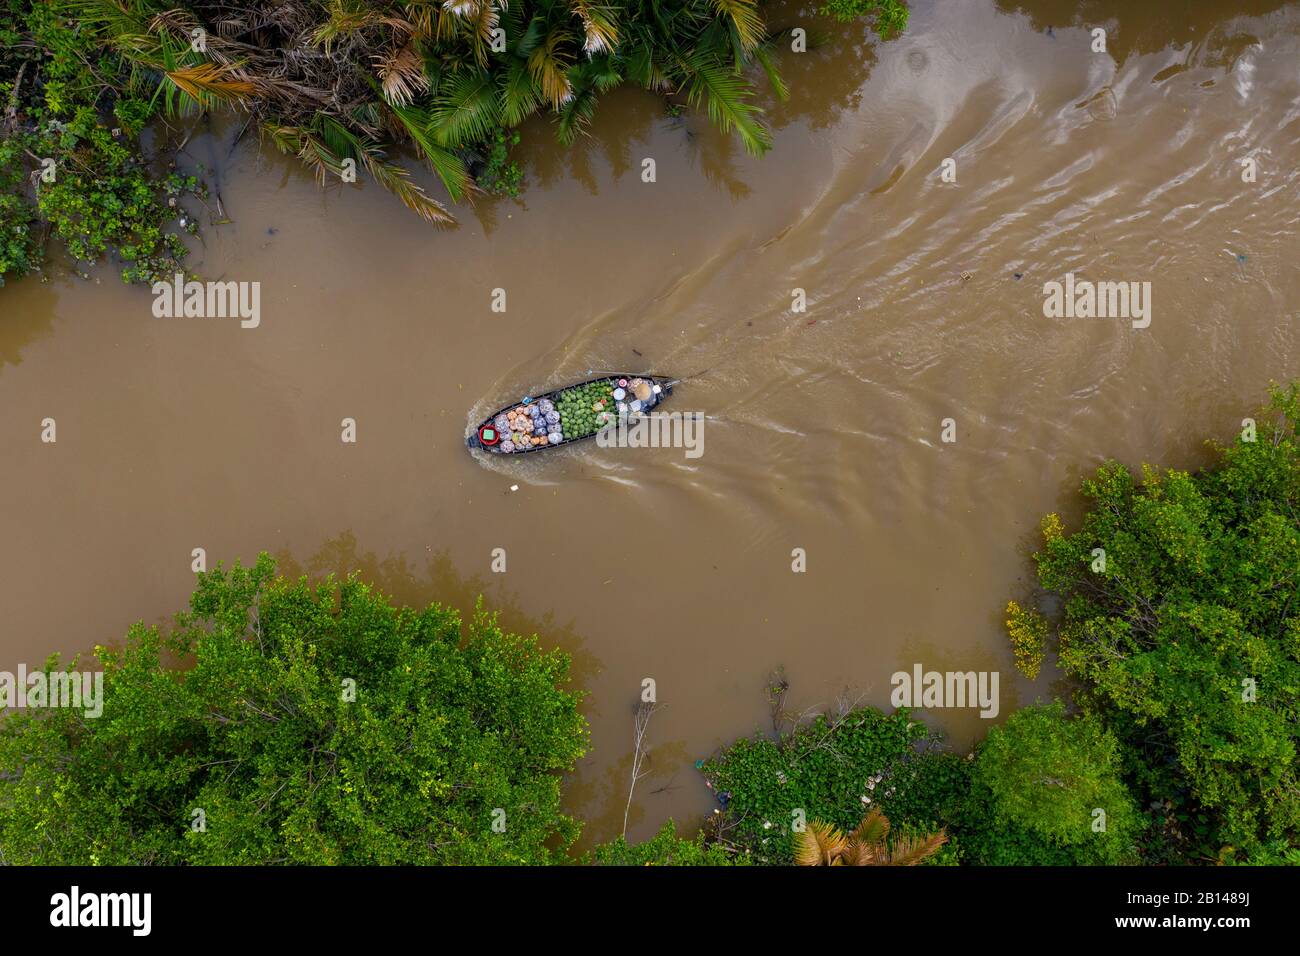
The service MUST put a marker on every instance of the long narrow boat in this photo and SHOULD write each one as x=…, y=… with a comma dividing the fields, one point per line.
x=566, y=415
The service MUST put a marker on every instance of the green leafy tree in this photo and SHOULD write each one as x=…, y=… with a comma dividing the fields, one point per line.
x=283, y=723
x=1181, y=621
x=1057, y=779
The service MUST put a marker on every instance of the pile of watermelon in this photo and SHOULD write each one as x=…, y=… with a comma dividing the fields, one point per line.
x=585, y=409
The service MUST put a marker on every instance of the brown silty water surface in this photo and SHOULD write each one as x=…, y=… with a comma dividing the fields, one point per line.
x=825, y=426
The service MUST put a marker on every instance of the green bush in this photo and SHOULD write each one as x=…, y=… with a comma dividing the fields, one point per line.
x=832, y=770
x=890, y=15
x=72, y=106
x=499, y=175
x=1043, y=775
x=448, y=752
x=1180, y=620
x=19, y=247
x=666, y=848
x=104, y=200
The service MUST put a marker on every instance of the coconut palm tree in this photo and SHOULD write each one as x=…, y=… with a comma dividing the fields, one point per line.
x=824, y=844
x=335, y=80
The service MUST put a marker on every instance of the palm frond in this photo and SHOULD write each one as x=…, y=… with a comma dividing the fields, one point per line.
x=601, y=73
x=466, y=109
x=599, y=26
x=531, y=37
x=874, y=828
x=859, y=854
x=401, y=74
x=422, y=15
x=911, y=850
x=483, y=21
x=575, y=115
x=351, y=16
x=744, y=18
x=765, y=59
x=287, y=139
x=307, y=146
x=465, y=9
x=549, y=63
x=398, y=182
x=207, y=84
x=520, y=95
x=324, y=148
x=450, y=168
x=818, y=844
x=641, y=67
x=726, y=96
x=118, y=24
x=341, y=142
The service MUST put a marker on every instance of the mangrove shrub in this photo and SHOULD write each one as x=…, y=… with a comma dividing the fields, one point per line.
x=1181, y=621
x=1056, y=780
x=283, y=723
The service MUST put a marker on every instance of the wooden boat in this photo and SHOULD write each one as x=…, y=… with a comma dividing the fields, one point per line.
x=589, y=406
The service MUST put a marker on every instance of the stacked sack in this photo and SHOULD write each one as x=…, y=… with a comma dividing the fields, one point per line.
x=529, y=426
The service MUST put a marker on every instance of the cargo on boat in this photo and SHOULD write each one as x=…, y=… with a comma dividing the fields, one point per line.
x=568, y=414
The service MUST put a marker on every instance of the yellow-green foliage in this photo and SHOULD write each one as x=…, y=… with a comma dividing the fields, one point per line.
x=1028, y=631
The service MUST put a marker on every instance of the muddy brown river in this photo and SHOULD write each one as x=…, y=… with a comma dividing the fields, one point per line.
x=825, y=428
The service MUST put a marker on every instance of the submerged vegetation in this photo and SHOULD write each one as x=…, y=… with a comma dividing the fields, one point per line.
x=343, y=85
x=70, y=161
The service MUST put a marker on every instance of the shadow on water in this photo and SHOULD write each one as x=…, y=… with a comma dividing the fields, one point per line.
x=824, y=81
x=629, y=124
x=828, y=79
x=963, y=727
x=28, y=316
x=439, y=581
x=1138, y=28
x=600, y=799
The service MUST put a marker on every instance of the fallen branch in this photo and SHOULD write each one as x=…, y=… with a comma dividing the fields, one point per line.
x=644, y=711
x=11, y=112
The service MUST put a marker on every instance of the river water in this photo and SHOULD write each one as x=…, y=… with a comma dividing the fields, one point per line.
x=825, y=428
